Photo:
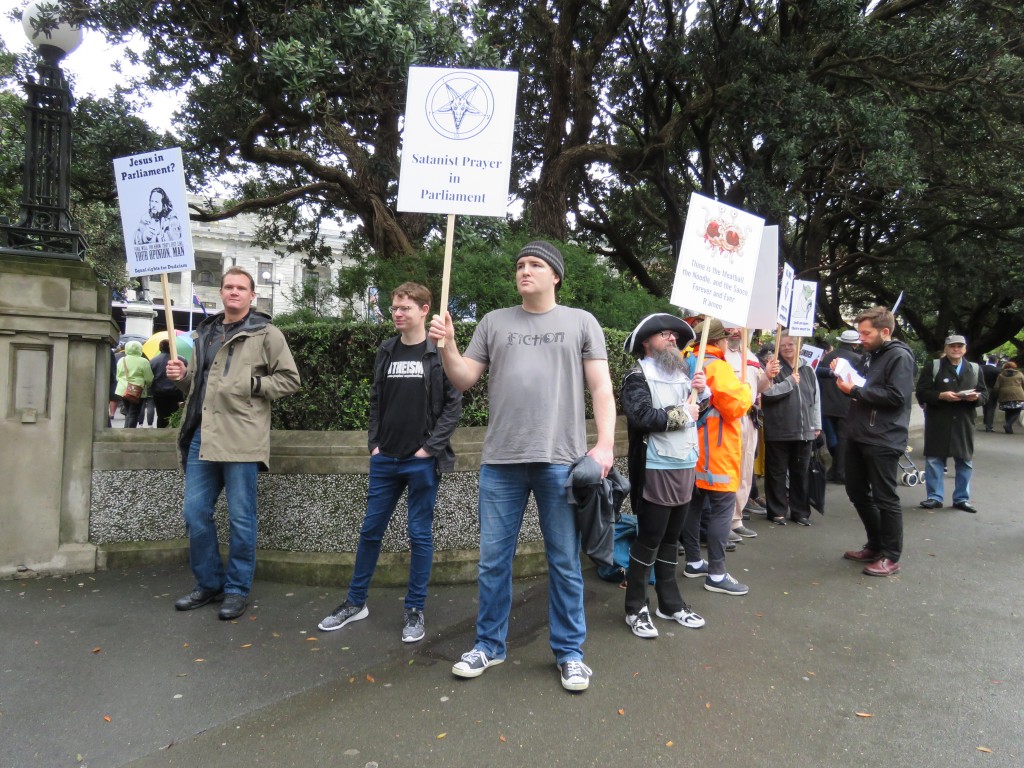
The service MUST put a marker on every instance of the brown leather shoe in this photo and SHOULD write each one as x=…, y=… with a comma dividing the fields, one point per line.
x=861, y=555
x=882, y=567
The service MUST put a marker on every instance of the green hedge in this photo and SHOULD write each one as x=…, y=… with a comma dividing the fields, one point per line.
x=335, y=360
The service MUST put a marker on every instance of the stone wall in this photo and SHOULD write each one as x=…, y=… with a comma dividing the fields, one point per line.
x=311, y=506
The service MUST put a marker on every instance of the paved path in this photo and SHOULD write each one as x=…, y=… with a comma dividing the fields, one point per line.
x=100, y=670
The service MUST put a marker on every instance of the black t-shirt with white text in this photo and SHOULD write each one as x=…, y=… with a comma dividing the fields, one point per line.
x=402, y=410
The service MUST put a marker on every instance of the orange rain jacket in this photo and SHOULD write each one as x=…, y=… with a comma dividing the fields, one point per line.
x=720, y=442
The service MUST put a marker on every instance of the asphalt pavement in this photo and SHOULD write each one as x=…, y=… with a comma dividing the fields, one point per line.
x=818, y=666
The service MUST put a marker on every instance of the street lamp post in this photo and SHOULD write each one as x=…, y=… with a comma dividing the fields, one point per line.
x=267, y=280
x=45, y=227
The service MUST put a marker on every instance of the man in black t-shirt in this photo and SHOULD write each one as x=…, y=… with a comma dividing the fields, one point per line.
x=413, y=413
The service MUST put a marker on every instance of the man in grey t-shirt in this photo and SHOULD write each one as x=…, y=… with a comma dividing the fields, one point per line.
x=540, y=355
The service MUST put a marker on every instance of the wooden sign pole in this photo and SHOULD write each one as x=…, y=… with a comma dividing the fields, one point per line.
x=172, y=341
x=446, y=276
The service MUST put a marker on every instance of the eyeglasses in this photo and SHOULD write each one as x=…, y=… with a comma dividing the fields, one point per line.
x=669, y=335
x=403, y=310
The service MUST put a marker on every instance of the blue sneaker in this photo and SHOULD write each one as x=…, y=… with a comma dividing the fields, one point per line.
x=699, y=572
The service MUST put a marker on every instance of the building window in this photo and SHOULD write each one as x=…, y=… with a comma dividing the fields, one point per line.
x=204, y=278
x=264, y=305
x=265, y=268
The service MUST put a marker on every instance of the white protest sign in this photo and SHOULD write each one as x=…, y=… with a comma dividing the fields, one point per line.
x=785, y=295
x=154, y=212
x=457, y=141
x=811, y=355
x=717, y=260
x=801, y=316
x=762, y=300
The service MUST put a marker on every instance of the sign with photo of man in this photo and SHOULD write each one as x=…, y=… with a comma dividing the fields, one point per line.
x=154, y=212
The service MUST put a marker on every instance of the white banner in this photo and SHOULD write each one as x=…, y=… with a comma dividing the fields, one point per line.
x=785, y=295
x=801, y=315
x=762, y=300
x=154, y=212
x=457, y=141
x=717, y=260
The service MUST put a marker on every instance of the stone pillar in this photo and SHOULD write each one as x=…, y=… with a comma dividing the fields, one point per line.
x=55, y=337
x=138, y=319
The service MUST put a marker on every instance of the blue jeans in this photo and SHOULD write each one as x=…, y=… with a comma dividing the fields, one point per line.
x=933, y=470
x=388, y=478
x=204, y=481
x=504, y=490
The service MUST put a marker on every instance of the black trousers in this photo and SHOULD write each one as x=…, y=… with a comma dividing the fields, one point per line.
x=782, y=458
x=871, y=474
x=656, y=547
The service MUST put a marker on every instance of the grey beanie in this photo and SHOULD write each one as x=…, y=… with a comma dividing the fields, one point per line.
x=546, y=252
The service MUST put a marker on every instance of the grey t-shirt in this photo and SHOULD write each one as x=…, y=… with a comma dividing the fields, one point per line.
x=536, y=381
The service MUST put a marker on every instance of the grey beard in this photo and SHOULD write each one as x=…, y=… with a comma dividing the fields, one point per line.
x=734, y=344
x=669, y=361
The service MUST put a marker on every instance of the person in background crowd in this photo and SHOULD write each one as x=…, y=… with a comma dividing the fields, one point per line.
x=834, y=404
x=1009, y=389
x=792, y=420
x=950, y=389
x=133, y=369
x=166, y=395
x=718, y=465
x=989, y=371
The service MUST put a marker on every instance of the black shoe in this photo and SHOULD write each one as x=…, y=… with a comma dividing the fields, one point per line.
x=966, y=506
x=931, y=504
x=801, y=521
x=730, y=546
x=197, y=598
x=233, y=607
x=780, y=520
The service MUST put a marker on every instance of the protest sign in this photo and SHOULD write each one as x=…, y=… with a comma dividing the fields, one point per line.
x=718, y=259
x=457, y=141
x=763, y=309
x=154, y=212
x=810, y=355
x=785, y=295
x=457, y=148
x=801, y=316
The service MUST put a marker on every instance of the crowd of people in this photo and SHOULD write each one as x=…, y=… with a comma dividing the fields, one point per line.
x=700, y=423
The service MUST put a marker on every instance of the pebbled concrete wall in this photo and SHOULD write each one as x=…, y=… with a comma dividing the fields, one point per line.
x=311, y=506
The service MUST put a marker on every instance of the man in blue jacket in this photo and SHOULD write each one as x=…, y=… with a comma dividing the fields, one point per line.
x=877, y=427
x=413, y=412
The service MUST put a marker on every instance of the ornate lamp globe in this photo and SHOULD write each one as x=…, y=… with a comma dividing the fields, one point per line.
x=47, y=31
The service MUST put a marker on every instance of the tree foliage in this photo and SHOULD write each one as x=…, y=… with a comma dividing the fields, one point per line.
x=885, y=138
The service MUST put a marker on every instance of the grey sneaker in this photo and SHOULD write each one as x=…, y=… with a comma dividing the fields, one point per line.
x=413, y=629
x=641, y=623
x=734, y=538
x=575, y=675
x=344, y=614
x=745, y=532
x=727, y=586
x=473, y=664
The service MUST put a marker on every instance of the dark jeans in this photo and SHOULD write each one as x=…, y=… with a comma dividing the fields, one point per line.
x=166, y=405
x=719, y=523
x=782, y=457
x=871, y=486
x=132, y=414
x=834, y=430
x=658, y=530
x=988, y=411
x=388, y=479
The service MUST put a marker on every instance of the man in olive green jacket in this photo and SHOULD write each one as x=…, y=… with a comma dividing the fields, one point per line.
x=240, y=364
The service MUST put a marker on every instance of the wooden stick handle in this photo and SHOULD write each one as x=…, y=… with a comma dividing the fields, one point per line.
x=446, y=275
x=172, y=341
